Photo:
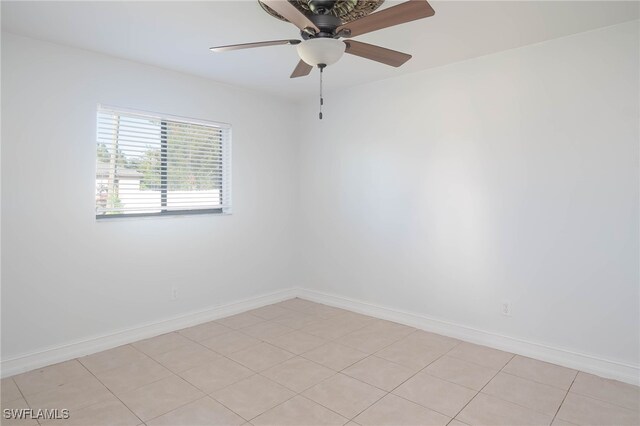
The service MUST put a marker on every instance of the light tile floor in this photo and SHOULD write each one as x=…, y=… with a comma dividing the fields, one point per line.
x=303, y=363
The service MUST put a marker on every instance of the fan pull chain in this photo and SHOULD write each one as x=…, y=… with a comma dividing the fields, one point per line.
x=321, y=66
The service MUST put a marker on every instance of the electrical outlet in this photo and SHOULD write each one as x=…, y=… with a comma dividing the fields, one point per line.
x=174, y=293
x=506, y=308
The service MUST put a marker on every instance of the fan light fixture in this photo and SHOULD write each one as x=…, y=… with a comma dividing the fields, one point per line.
x=316, y=51
x=323, y=22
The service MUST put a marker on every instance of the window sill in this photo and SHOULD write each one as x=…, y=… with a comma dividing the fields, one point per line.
x=152, y=216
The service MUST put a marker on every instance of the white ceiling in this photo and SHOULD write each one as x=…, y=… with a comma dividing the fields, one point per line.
x=177, y=35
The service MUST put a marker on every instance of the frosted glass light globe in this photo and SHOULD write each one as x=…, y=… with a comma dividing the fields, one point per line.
x=321, y=51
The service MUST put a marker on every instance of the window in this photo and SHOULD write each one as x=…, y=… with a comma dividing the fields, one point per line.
x=151, y=165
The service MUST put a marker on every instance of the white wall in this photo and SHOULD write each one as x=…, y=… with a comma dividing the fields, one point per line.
x=66, y=277
x=510, y=177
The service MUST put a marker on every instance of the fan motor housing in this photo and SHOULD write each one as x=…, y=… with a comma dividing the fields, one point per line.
x=327, y=24
x=344, y=10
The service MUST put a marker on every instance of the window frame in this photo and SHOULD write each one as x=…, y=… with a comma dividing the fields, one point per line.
x=164, y=118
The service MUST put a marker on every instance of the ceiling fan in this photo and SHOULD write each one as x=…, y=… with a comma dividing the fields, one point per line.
x=321, y=29
x=321, y=32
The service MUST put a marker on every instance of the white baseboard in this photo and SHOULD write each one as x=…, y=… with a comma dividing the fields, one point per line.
x=53, y=355
x=587, y=363
x=590, y=364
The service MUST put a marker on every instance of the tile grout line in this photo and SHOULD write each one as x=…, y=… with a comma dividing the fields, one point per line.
x=336, y=372
x=256, y=373
x=473, y=362
x=110, y=391
x=368, y=356
x=533, y=381
x=565, y=397
x=275, y=365
x=176, y=374
x=479, y=391
x=141, y=386
x=24, y=397
x=178, y=407
x=420, y=371
x=341, y=371
x=457, y=384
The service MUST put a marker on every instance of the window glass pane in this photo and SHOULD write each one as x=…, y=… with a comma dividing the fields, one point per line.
x=155, y=165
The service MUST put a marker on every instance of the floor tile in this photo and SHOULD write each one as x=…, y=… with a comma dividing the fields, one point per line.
x=133, y=375
x=356, y=317
x=437, y=394
x=485, y=410
x=50, y=377
x=72, y=395
x=344, y=395
x=299, y=411
x=335, y=356
x=297, y=304
x=265, y=330
x=384, y=326
x=461, y=372
x=312, y=308
x=372, y=338
x=252, y=396
x=298, y=374
x=202, y=412
x=539, y=371
x=229, y=343
x=342, y=363
x=110, y=412
x=18, y=418
x=393, y=410
x=611, y=391
x=558, y=422
x=297, y=342
x=160, y=344
x=9, y=390
x=583, y=410
x=186, y=357
x=296, y=320
x=410, y=353
x=455, y=422
x=333, y=328
x=261, y=356
x=482, y=355
x=160, y=397
x=112, y=358
x=216, y=374
x=379, y=372
x=327, y=311
x=527, y=393
x=238, y=321
x=269, y=312
x=204, y=331
x=434, y=340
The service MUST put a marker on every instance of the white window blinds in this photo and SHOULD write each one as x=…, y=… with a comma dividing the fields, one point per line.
x=149, y=165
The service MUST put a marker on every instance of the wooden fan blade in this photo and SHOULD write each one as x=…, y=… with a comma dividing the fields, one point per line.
x=376, y=53
x=301, y=69
x=399, y=14
x=291, y=14
x=251, y=45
